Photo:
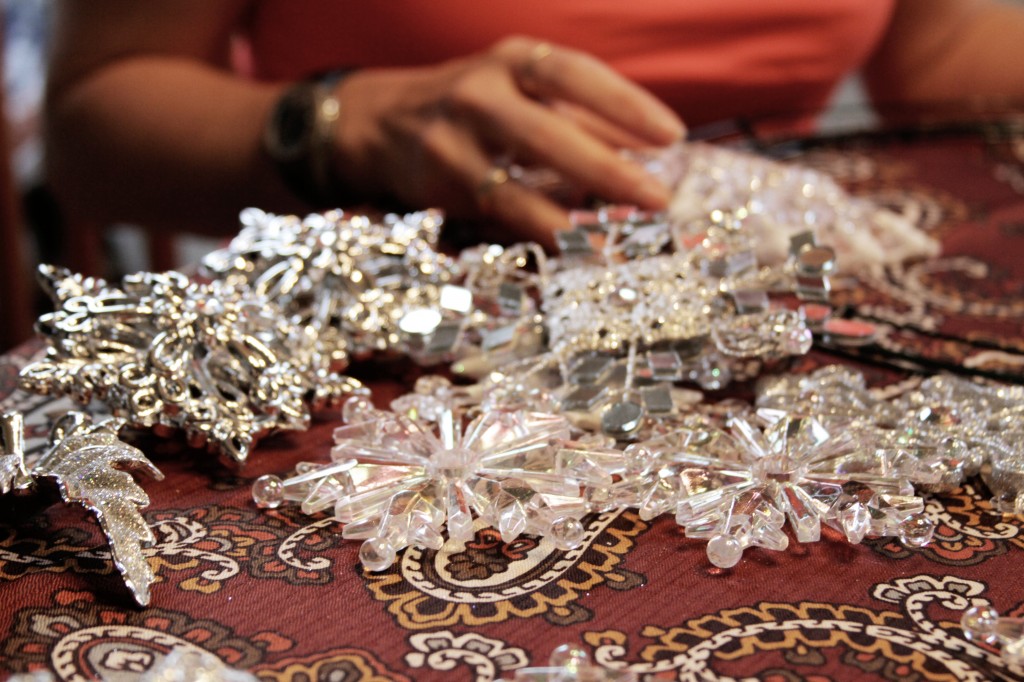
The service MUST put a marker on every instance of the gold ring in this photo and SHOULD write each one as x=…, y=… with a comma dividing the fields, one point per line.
x=528, y=71
x=496, y=176
x=540, y=51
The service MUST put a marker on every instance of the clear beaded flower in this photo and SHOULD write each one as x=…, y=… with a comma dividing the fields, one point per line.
x=738, y=488
x=396, y=481
x=163, y=352
x=679, y=303
x=626, y=324
x=776, y=200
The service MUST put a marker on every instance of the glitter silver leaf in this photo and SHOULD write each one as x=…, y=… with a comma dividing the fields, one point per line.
x=13, y=473
x=87, y=461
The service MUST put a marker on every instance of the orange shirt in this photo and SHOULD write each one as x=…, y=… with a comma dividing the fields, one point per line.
x=708, y=59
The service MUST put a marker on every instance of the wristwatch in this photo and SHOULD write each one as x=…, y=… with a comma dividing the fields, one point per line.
x=298, y=138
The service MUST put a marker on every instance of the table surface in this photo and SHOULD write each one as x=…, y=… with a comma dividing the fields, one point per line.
x=282, y=595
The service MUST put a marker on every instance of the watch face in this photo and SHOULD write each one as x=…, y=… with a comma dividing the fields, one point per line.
x=291, y=124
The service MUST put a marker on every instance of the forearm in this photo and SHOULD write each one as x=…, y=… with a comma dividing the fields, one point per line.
x=950, y=52
x=148, y=125
x=167, y=142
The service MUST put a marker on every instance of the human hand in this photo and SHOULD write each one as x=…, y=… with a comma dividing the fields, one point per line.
x=429, y=136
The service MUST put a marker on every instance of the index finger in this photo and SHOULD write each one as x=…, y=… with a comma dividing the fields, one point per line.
x=546, y=70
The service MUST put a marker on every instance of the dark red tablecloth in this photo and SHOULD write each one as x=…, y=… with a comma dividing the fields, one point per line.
x=282, y=595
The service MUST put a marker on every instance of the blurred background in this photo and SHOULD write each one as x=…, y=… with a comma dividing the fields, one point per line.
x=24, y=228
x=34, y=231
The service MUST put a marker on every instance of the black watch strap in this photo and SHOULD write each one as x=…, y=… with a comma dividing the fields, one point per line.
x=298, y=138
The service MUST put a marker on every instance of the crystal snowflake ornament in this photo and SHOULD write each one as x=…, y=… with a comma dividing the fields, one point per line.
x=955, y=427
x=87, y=461
x=738, y=488
x=163, y=352
x=986, y=418
x=397, y=481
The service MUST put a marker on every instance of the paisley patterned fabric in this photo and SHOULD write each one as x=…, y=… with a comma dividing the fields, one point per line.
x=282, y=595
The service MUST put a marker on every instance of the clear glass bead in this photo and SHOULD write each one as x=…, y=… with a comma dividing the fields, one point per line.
x=569, y=657
x=432, y=384
x=797, y=341
x=953, y=448
x=979, y=624
x=724, y=551
x=511, y=522
x=916, y=530
x=713, y=375
x=460, y=526
x=567, y=533
x=1013, y=653
x=268, y=491
x=377, y=554
x=1006, y=481
x=426, y=537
